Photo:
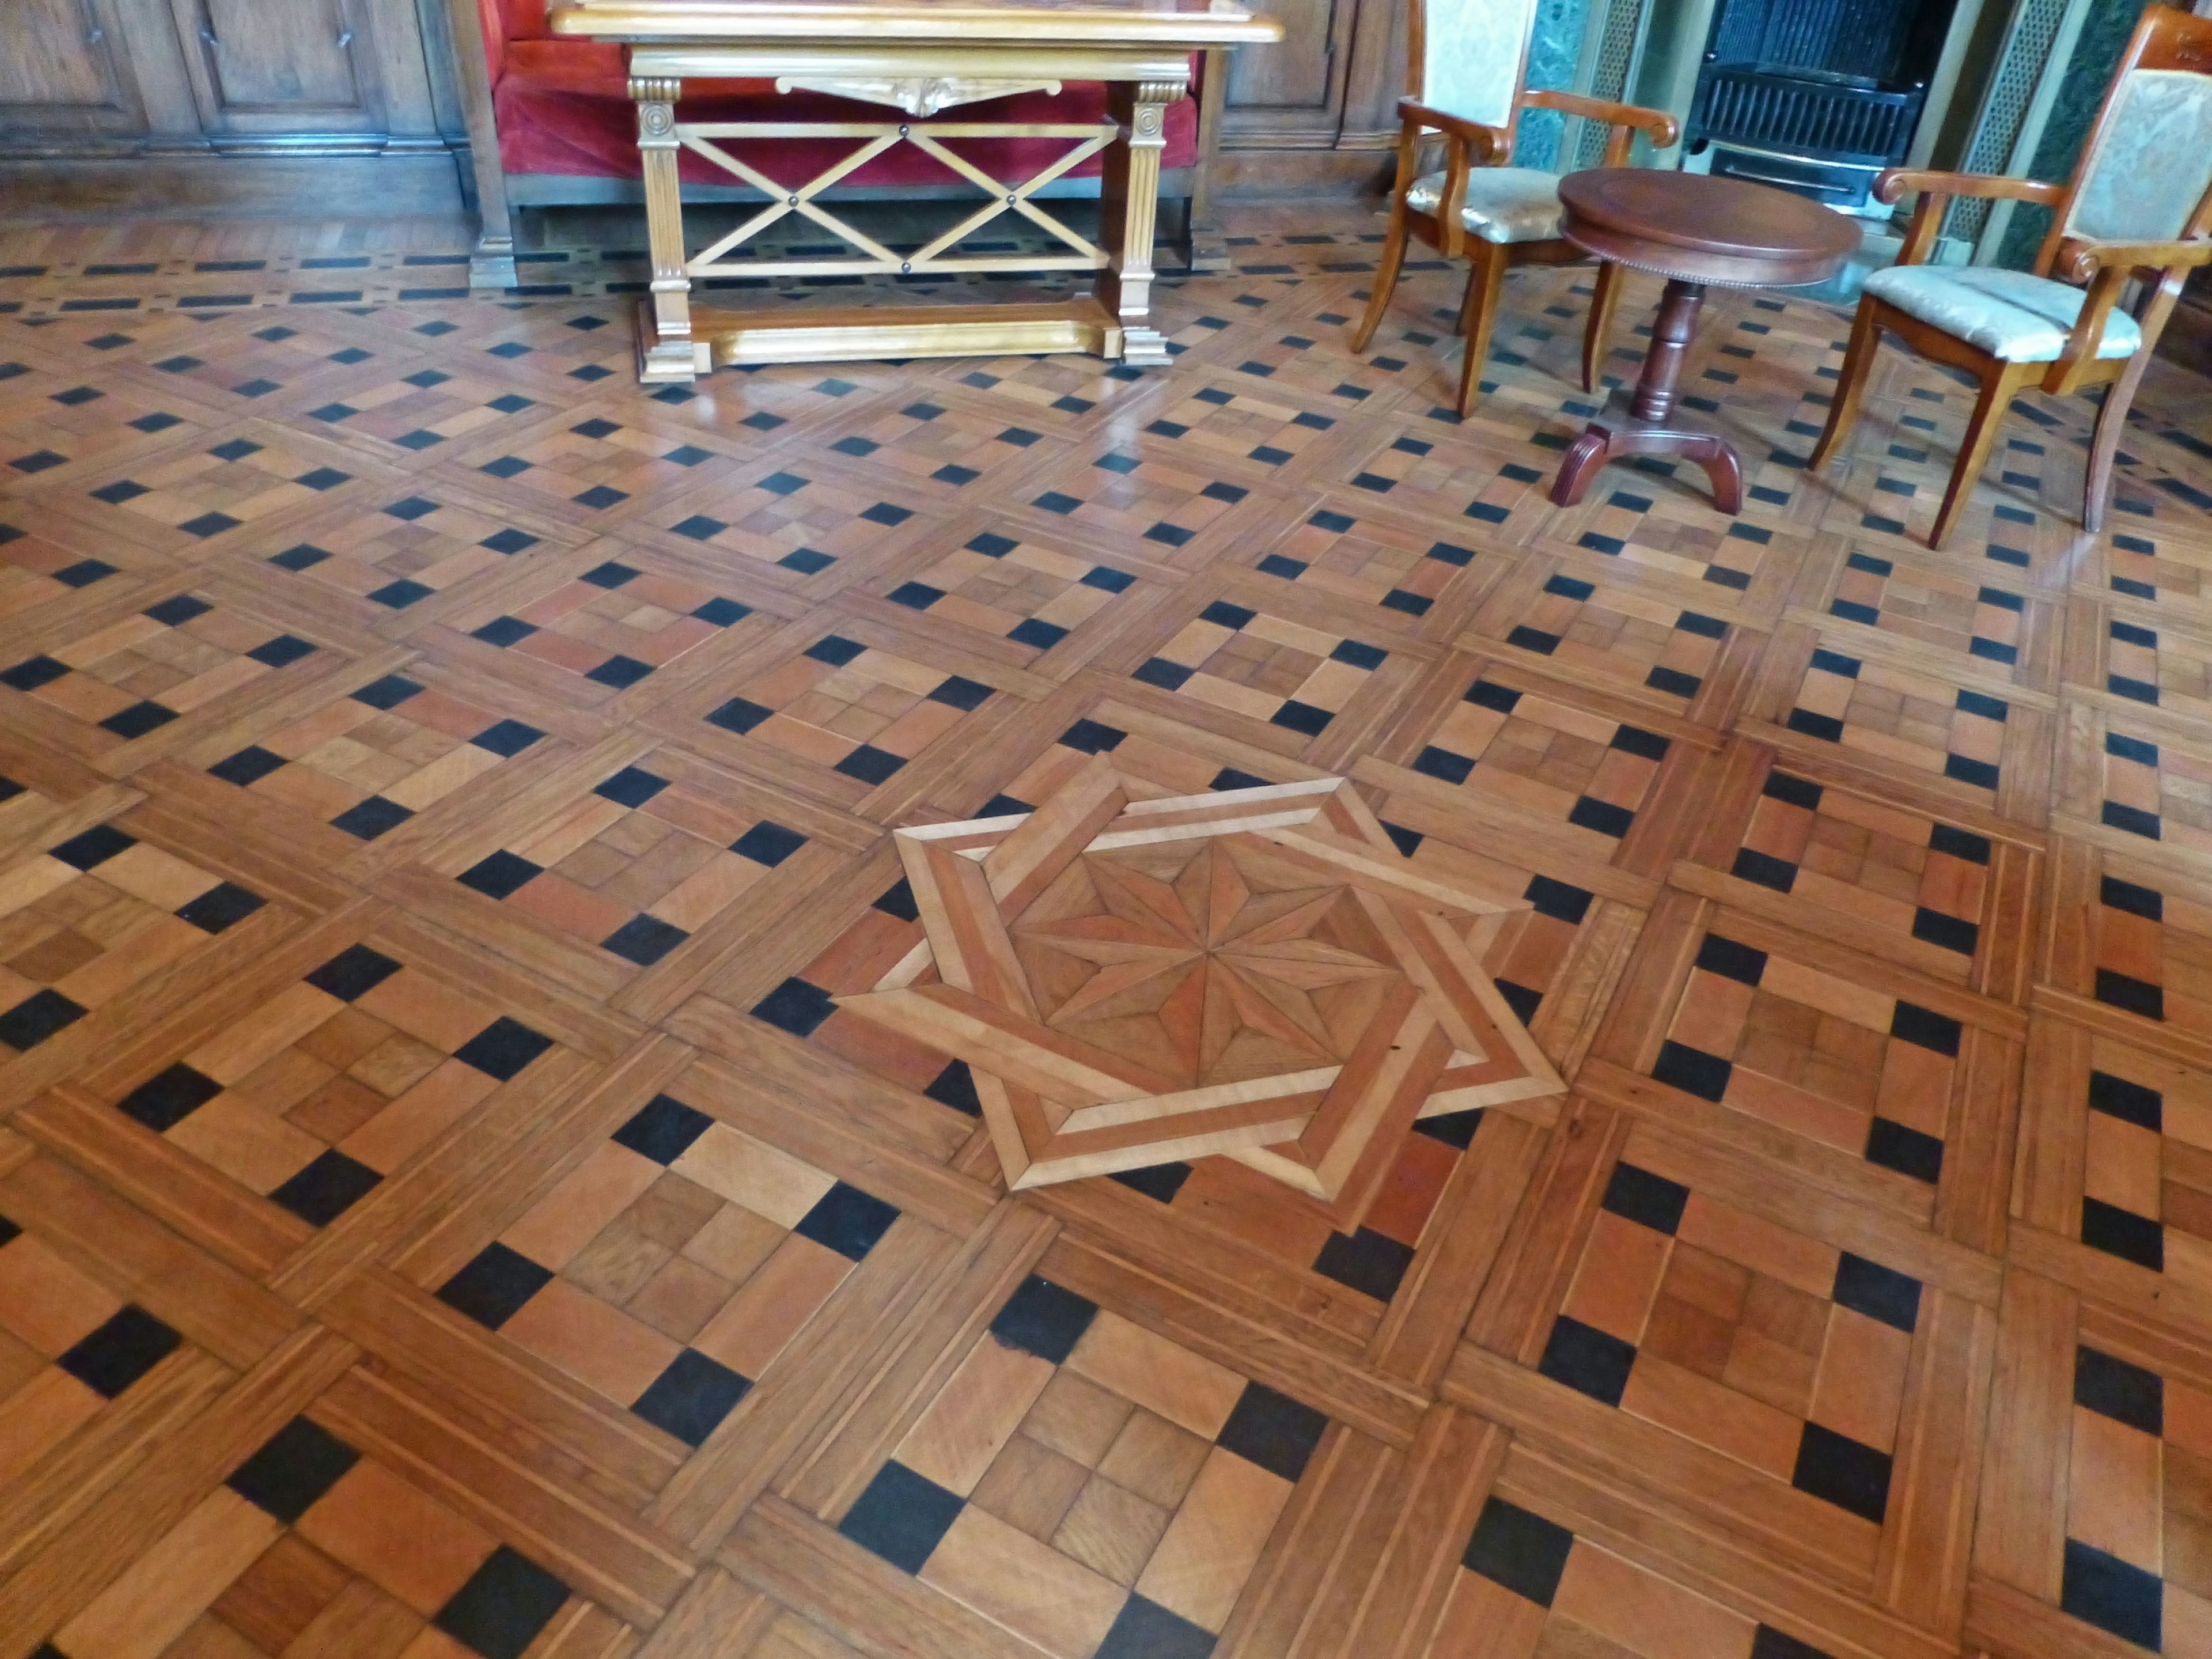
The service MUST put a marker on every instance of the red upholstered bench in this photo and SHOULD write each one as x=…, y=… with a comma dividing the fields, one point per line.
x=568, y=129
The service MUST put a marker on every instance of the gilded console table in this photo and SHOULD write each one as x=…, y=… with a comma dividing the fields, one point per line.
x=919, y=57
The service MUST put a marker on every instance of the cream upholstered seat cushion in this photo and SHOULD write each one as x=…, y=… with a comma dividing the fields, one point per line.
x=2007, y=314
x=1504, y=204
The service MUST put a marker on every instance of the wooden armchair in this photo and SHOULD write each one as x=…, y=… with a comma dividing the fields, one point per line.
x=1468, y=57
x=2140, y=205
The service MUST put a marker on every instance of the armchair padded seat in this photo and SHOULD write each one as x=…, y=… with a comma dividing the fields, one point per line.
x=1504, y=204
x=2010, y=315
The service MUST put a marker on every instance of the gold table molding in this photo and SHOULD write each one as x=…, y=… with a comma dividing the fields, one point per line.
x=918, y=58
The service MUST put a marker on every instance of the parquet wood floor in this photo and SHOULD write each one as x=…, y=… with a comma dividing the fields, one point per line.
x=488, y=1171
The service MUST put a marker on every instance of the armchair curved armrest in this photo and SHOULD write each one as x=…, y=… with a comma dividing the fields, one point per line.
x=2079, y=260
x=1894, y=182
x=1486, y=144
x=1660, y=125
x=1466, y=143
x=1936, y=189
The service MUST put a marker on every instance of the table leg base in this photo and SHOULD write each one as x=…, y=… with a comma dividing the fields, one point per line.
x=666, y=362
x=1619, y=435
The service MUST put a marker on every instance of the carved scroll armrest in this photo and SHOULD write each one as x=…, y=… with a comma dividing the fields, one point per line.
x=1936, y=189
x=2079, y=260
x=1625, y=120
x=1466, y=143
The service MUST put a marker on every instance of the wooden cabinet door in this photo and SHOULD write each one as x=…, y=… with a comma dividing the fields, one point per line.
x=1291, y=93
x=62, y=72
x=282, y=68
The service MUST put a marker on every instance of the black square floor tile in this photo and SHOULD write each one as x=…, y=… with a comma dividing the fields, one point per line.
x=294, y=1468
x=120, y=1352
x=1272, y=1429
x=507, y=1601
x=499, y=875
x=1042, y=1319
x=2112, y=1595
x=690, y=1398
x=663, y=1130
x=1588, y=1360
x=901, y=1516
x=1370, y=1263
x=1650, y=1201
x=767, y=843
x=94, y=847
x=326, y=1188
x=168, y=1098
x=353, y=973
x=1843, y=1472
x=643, y=940
x=795, y=1006
x=1519, y=1549
x=37, y=1018
x=1146, y=1630
x=492, y=1288
x=848, y=1220
x=502, y=1049
x=371, y=818
x=248, y=766
x=221, y=906
x=138, y=719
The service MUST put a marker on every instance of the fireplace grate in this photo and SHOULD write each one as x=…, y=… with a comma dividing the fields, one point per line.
x=1821, y=117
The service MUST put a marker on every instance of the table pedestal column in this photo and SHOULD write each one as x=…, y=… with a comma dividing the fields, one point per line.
x=1645, y=425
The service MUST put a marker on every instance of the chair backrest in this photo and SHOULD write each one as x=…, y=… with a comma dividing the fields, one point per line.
x=1469, y=55
x=2146, y=167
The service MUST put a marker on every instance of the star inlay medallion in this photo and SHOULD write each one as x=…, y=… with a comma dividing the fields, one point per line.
x=1258, y=972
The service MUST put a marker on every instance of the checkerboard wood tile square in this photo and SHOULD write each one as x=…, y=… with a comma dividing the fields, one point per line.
x=1270, y=669
x=586, y=629
x=1638, y=635
x=790, y=522
x=377, y=559
x=110, y=677
x=835, y=710
x=316, y=1085
x=1870, y=1074
x=1401, y=568
x=180, y=499
x=634, y=872
x=2110, y=1565
x=389, y=753
x=299, y=1540
x=1815, y=849
x=670, y=1265
x=1961, y=731
x=1532, y=752
x=1081, y=1481
x=1038, y=600
x=454, y=805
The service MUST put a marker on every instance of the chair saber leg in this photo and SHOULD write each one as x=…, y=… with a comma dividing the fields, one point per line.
x=1597, y=334
x=1844, y=406
x=1386, y=278
x=1980, y=438
x=1481, y=310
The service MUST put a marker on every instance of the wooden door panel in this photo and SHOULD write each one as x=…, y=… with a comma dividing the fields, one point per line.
x=1293, y=90
x=281, y=66
x=1295, y=73
x=60, y=70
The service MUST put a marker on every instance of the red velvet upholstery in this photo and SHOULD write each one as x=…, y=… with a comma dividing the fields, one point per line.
x=563, y=107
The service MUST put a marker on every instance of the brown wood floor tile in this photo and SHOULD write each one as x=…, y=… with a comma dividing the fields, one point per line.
x=451, y=1207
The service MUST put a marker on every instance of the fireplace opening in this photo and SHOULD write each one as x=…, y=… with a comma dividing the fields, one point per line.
x=1816, y=96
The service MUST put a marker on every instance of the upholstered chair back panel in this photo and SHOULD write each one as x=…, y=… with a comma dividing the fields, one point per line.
x=1472, y=52
x=2151, y=162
